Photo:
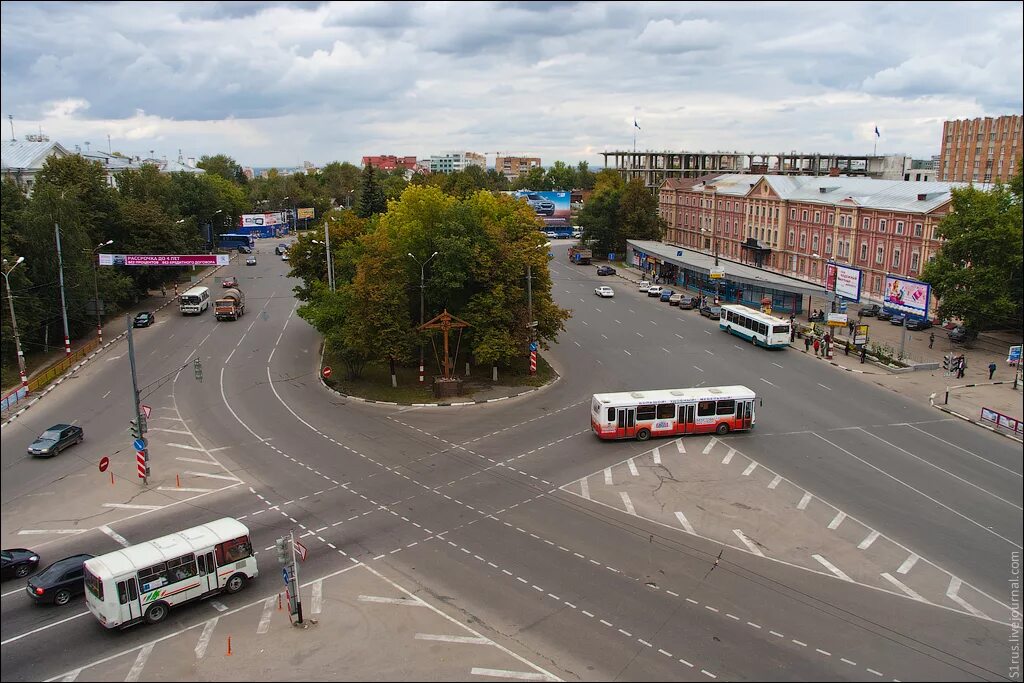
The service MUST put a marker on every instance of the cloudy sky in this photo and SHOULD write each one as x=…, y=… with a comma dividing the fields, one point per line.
x=273, y=83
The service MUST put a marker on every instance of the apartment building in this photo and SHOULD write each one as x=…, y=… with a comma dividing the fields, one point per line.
x=795, y=224
x=982, y=150
x=390, y=162
x=456, y=161
x=513, y=167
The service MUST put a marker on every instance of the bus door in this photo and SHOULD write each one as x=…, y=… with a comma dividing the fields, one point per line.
x=625, y=426
x=207, y=569
x=746, y=413
x=686, y=423
x=128, y=600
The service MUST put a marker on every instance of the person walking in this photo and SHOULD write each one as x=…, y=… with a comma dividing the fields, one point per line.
x=863, y=353
x=846, y=347
x=817, y=345
x=851, y=325
x=931, y=340
x=807, y=343
x=961, y=367
x=991, y=369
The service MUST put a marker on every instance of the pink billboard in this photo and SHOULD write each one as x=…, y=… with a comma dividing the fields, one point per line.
x=163, y=259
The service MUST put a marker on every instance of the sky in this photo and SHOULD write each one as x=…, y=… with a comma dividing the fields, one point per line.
x=280, y=83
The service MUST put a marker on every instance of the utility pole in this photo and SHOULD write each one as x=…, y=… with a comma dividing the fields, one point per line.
x=330, y=260
x=63, y=303
x=295, y=573
x=423, y=271
x=96, y=290
x=142, y=453
x=14, y=322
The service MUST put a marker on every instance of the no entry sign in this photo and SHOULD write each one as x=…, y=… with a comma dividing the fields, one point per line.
x=327, y=371
x=104, y=463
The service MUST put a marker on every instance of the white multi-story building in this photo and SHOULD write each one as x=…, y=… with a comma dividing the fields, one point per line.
x=453, y=162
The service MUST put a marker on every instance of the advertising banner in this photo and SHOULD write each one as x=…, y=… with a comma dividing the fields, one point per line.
x=843, y=280
x=263, y=224
x=906, y=296
x=164, y=259
x=551, y=207
x=305, y=213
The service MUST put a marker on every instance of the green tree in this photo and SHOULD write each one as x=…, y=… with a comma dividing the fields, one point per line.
x=638, y=215
x=393, y=183
x=224, y=166
x=585, y=178
x=600, y=219
x=371, y=197
x=561, y=176
x=534, y=179
x=977, y=273
x=341, y=182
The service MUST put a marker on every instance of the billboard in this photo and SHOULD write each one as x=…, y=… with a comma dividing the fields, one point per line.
x=843, y=280
x=305, y=214
x=164, y=259
x=263, y=224
x=551, y=207
x=906, y=296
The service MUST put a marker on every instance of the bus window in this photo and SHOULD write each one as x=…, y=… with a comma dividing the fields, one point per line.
x=727, y=407
x=233, y=551
x=181, y=568
x=705, y=408
x=666, y=411
x=646, y=412
x=94, y=584
x=611, y=414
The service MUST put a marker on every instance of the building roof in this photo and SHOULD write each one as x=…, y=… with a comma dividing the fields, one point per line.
x=28, y=154
x=894, y=195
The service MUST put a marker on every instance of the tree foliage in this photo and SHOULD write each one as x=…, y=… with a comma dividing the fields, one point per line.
x=372, y=199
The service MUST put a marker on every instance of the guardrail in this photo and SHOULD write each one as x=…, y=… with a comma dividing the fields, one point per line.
x=55, y=370
x=1001, y=420
x=12, y=398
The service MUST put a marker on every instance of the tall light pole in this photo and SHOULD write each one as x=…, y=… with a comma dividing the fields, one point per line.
x=530, y=323
x=14, y=321
x=330, y=263
x=96, y=289
x=63, y=301
x=423, y=271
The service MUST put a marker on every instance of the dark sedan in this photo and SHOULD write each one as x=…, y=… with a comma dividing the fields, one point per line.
x=712, y=312
x=917, y=324
x=144, y=319
x=897, y=319
x=687, y=303
x=605, y=270
x=870, y=310
x=17, y=562
x=885, y=315
x=55, y=439
x=61, y=581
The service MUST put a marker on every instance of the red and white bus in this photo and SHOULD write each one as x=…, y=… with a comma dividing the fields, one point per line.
x=670, y=412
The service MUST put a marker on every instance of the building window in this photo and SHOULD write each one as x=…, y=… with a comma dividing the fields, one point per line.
x=866, y=223
x=803, y=215
x=817, y=216
x=880, y=254
x=814, y=243
x=792, y=237
x=899, y=227
x=881, y=225
x=918, y=230
x=896, y=257
x=792, y=214
x=803, y=240
x=915, y=261
x=831, y=218
x=876, y=284
x=863, y=251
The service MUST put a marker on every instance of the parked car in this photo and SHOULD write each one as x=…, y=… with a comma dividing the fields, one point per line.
x=284, y=255
x=143, y=319
x=229, y=281
x=885, y=315
x=712, y=312
x=961, y=334
x=674, y=299
x=897, y=319
x=280, y=248
x=55, y=439
x=666, y=294
x=251, y=261
x=61, y=581
x=605, y=270
x=644, y=285
x=687, y=302
x=17, y=562
x=604, y=291
x=654, y=290
x=870, y=310
x=577, y=233
x=244, y=250
x=917, y=323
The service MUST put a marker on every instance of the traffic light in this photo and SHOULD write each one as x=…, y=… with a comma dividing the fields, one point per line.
x=135, y=430
x=143, y=423
x=945, y=361
x=281, y=546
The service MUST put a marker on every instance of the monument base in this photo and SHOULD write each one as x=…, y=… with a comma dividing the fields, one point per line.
x=446, y=388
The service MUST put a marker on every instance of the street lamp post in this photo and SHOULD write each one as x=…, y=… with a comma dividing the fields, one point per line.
x=423, y=267
x=14, y=322
x=96, y=289
x=530, y=323
x=330, y=263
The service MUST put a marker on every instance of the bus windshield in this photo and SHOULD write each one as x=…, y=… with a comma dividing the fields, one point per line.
x=189, y=299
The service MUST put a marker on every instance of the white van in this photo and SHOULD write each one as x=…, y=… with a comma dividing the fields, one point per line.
x=194, y=301
x=645, y=285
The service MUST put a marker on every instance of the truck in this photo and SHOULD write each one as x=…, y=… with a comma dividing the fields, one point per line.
x=230, y=306
x=580, y=255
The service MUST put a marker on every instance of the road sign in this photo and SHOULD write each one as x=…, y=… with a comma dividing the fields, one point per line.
x=533, y=346
x=717, y=273
x=286, y=575
x=146, y=410
x=139, y=444
x=301, y=550
x=327, y=371
x=143, y=466
x=104, y=463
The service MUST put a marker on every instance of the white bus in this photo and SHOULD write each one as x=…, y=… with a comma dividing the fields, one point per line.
x=756, y=327
x=195, y=300
x=142, y=582
x=670, y=412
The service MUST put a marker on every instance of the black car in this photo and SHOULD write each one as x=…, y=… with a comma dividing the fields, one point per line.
x=17, y=562
x=61, y=581
x=280, y=248
x=55, y=439
x=897, y=319
x=917, y=323
x=244, y=250
x=605, y=270
x=144, y=319
x=961, y=334
x=870, y=310
x=712, y=312
x=885, y=315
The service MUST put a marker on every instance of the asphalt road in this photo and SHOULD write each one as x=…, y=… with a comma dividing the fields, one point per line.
x=466, y=503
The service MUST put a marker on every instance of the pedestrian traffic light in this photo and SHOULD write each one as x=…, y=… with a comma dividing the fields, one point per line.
x=135, y=430
x=281, y=546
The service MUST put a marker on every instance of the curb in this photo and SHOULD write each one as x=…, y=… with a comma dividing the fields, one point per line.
x=85, y=360
x=839, y=365
x=931, y=400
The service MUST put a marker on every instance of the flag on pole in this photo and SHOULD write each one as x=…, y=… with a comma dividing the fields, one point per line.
x=636, y=125
x=877, y=134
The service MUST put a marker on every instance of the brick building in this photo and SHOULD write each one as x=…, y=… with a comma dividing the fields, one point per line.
x=983, y=150
x=513, y=167
x=389, y=162
x=794, y=224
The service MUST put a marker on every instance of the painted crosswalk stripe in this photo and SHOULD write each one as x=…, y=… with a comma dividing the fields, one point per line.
x=831, y=567
x=204, y=639
x=184, y=489
x=268, y=611
x=711, y=444
x=837, y=520
x=866, y=543
x=685, y=522
x=212, y=476
x=751, y=546
x=67, y=532
x=468, y=640
x=627, y=502
x=391, y=601
x=72, y=677
x=908, y=564
x=131, y=506
x=728, y=456
x=114, y=535
x=504, y=673
x=802, y=505
x=584, y=488
x=774, y=482
x=140, y=663
x=607, y=476
x=680, y=446
x=902, y=586
x=657, y=456
x=750, y=468
x=198, y=461
x=952, y=594
x=318, y=597
x=632, y=468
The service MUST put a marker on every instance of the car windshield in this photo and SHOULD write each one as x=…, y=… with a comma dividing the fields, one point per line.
x=6, y=555
x=50, y=435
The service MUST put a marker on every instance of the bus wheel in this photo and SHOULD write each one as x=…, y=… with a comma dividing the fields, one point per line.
x=722, y=428
x=643, y=434
x=753, y=340
x=156, y=613
x=235, y=583
x=728, y=329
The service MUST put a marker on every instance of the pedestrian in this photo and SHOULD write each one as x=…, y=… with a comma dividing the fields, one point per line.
x=961, y=367
x=931, y=340
x=792, y=334
x=163, y=290
x=850, y=324
x=807, y=343
x=991, y=369
x=817, y=345
x=863, y=353
x=846, y=347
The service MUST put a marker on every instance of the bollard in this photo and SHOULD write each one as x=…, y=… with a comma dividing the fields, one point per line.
x=946, y=402
x=177, y=480
x=229, y=647
x=280, y=604
x=111, y=477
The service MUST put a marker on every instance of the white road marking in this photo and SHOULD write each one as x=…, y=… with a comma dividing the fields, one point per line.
x=140, y=663
x=680, y=446
x=169, y=431
x=657, y=456
x=584, y=488
x=908, y=564
x=866, y=543
x=709, y=446
x=710, y=353
x=902, y=586
x=774, y=482
x=680, y=336
x=639, y=335
x=627, y=502
x=832, y=568
x=751, y=546
x=468, y=640
x=30, y=532
x=1018, y=474
x=318, y=597
x=685, y=522
x=131, y=506
x=183, y=488
x=802, y=505
x=837, y=520
x=697, y=369
x=43, y=628
x=632, y=468
x=71, y=677
x=766, y=381
x=181, y=445
x=776, y=365
x=505, y=673
x=218, y=605
x=114, y=535
x=204, y=638
x=665, y=350
x=212, y=476
x=728, y=456
x=106, y=394
x=392, y=601
x=823, y=386
x=268, y=611
x=199, y=461
x=607, y=476
x=951, y=593
x=627, y=352
x=750, y=468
